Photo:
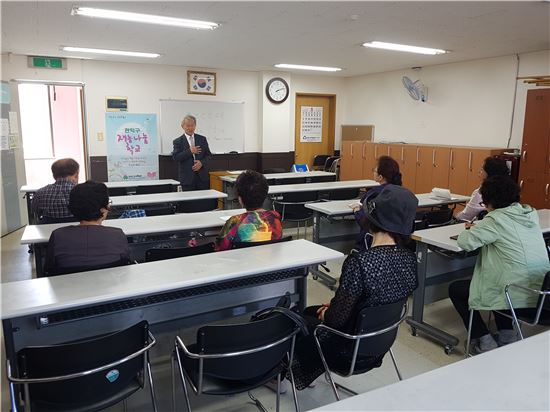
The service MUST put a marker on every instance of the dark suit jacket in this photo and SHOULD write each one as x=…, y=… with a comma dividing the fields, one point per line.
x=182, y=154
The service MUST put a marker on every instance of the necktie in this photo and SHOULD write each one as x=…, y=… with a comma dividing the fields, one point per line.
x=192, y=143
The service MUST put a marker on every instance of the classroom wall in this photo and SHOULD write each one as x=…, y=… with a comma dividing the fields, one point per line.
x=532, y=64
x=469, y=103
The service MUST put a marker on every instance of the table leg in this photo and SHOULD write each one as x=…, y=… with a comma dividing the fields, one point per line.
x=317, y=274
x=416, y=320
x=38, y=259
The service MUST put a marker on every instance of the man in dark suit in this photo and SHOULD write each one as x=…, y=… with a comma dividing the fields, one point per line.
x=192, y=153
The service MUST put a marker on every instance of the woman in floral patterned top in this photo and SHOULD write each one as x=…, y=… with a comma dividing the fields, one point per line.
x=257, y=224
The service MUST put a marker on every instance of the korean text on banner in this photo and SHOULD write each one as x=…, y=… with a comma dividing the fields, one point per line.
x=132, y=146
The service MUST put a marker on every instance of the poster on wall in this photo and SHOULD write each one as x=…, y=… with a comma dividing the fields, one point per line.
x=311, y=128
x=132, y=146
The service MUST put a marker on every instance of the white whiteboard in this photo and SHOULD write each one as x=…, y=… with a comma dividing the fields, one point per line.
x=222, y=123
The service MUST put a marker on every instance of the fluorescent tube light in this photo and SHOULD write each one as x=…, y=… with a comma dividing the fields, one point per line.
x=143, y=18
x=302, y=67
x=110, y=52
x=403, y=47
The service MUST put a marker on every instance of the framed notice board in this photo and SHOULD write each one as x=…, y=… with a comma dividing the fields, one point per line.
x=116, y=104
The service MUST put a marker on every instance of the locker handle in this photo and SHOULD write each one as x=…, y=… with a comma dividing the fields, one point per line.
x=470, y=162
x=433, y=157
x=363, y=150
x=376, y=151
x=546, y=189
x=351, y=149
x=403, y=154
x=418, y=155
x=521, y=185
x=451, y=160
x=524, y=155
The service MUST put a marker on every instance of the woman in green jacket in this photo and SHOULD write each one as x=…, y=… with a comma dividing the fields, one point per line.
x=512, y=250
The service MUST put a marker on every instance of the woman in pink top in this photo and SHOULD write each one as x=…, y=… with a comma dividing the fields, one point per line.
x=491, y=167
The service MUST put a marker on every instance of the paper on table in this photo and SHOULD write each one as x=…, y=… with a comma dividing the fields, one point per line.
x=225, y=218
x=235, y=172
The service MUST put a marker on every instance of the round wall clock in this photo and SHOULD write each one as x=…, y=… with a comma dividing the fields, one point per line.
x=277, y=90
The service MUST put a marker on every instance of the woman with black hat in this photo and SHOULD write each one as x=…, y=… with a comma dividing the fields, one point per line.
x=383, y=274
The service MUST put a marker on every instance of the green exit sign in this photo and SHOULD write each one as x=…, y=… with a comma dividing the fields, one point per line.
x=47, y=62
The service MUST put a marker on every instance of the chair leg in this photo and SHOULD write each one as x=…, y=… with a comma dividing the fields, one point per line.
x=185, y=392
x=395, y=365
x=468, y=339
x=277, y=402
x=151, y=386
x=294, y=393
x=173, y=371
x=345, y=389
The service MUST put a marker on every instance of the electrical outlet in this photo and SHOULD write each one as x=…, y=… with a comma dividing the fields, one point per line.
x=99, y=136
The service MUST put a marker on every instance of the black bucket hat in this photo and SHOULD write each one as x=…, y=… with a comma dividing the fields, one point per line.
x=393, y=210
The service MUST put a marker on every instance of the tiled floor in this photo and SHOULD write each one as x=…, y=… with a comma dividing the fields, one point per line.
x=414, y=355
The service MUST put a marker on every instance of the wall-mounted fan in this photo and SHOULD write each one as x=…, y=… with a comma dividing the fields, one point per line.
x=416, y=89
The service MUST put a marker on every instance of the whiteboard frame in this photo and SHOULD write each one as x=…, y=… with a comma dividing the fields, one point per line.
x=197, y=101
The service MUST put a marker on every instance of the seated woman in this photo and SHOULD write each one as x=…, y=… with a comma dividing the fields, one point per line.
x=491, y=167
x=383, y=274
x=88, y=245
x=257, y=224
x=386, y=172
x=512, y=250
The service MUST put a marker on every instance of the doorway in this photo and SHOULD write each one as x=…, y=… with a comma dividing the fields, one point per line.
x=315, y=118
x=52, y=127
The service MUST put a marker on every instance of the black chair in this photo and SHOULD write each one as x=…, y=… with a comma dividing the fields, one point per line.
x=152, y=255
x=160, y=210
x=231, y=359
x=199, y=205
x=319, y=161
x=241, y=245
x=540, y=315
x=45, y=220
x=56, y=271
x=344, y=194
x=374, y=334
x=117, y=191
x=290, y=181
x=149, y=189
x=329, y=162
x=437, y=217
x=319, y=179
x=291, y=207
x=87, y=375
x=274, y=170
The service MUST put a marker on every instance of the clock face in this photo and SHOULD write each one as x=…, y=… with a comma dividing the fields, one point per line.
x=277, y=90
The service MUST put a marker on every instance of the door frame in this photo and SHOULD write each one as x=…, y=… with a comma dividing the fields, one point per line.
x=85, y=146
x=331, y=117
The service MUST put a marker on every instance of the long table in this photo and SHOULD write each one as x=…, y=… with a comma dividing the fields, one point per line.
x=346, y=230
x=169, y=197
x=515, y=377
x=169, y=225
x=440, y=237
x=29, y=190
x=340, y=208
x=169, y=294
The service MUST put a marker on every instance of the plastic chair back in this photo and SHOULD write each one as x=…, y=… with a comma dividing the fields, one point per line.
x=241, y=245
x=232, y=338
x=91, y=392
x=152, y=255
x=148, y=189
x=371, y=319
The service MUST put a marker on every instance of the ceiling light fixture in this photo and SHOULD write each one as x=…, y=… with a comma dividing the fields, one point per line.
x=404, y=48
x=110, y=52
x=303, y=67
x=143, y=18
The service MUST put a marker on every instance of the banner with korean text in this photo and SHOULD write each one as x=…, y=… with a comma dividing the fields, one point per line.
x=132, y=146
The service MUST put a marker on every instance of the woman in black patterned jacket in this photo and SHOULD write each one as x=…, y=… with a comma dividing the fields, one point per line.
x=383, y=274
